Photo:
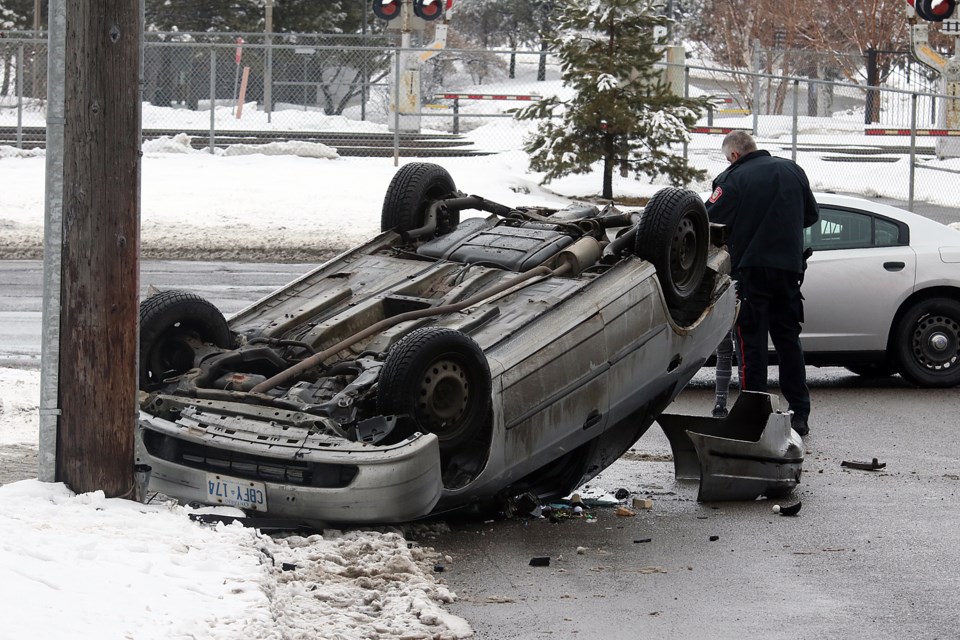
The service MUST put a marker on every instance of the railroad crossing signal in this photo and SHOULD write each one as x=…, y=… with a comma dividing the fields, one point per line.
x=934, y=10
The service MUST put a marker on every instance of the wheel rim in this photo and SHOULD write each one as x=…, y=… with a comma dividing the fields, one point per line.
x=443, y=398
x=174, y=353
x=683, y=252
x=936, y=342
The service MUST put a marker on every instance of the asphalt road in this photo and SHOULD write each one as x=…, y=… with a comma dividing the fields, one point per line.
x=872, y=554
x=228, y=285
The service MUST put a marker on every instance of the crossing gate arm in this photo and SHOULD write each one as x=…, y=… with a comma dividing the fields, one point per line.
x=716, y=130
x=906, y=132
x=457, y=97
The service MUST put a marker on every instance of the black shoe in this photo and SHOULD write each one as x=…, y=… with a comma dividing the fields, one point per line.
x=800, y=425
x=720, y=410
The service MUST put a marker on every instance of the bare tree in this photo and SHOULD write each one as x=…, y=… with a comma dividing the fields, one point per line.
x=800, y=37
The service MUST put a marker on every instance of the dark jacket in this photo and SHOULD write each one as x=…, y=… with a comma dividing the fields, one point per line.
x=766, y=202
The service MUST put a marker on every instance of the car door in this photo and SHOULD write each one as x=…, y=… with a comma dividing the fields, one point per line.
x=862, y=267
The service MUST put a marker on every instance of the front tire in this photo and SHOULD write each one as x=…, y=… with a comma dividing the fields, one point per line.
x=169, y=322
x=414, y=188
x=928, y=343
x=440, y=379
x=674, y=235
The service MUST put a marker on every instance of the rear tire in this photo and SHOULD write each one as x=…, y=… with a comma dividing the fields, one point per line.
x=169, y=321
x=674, y=235
x=414, y=188
x=440, y=379
x=927, y=343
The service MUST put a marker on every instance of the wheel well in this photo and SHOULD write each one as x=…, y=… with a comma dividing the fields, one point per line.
x=918, y=296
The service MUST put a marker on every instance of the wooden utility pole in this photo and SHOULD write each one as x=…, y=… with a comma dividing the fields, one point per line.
x=100, y=268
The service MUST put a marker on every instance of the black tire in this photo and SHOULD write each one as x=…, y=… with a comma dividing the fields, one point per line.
x=168, y=321
x=413, y=188
x=872, y=370
x=927, y=343
x=440, y=379
x=674, y=234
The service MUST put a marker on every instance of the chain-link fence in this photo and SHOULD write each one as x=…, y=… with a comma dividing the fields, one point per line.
x=905, y=151
x=865, y=118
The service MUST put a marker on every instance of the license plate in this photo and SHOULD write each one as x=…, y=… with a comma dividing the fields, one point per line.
x=235, y=492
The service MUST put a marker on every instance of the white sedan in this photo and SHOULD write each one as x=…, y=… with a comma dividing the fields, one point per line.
x=882, y=292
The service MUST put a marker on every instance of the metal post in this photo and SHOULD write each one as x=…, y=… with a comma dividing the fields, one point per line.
x=796, y=106
x=35, y=35
x=686, y=95
x=756, y=87
x=236, y=84
x=268, y=72
x=873, y=81
x=213, y=95
x=20, y=97
x=396, y=109
x=365, y=74
x=52, y=243
x=913, y=149
x=456, y=115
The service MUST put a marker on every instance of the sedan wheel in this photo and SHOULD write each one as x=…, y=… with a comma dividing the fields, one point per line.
x=171, y=322
x=928, y=343
x=674, y=234
x=440, y=379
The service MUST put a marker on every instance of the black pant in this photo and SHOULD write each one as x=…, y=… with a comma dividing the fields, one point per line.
x=770, y=302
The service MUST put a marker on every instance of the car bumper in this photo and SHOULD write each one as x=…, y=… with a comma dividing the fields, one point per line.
x=752, y=452
x=302, y=478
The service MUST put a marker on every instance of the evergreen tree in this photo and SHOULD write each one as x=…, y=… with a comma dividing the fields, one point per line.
x=621, y=112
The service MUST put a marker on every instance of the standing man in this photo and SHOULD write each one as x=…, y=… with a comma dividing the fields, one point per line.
x=767, y=203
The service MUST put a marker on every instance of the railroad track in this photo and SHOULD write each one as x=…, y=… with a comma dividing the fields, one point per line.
x=426, y=145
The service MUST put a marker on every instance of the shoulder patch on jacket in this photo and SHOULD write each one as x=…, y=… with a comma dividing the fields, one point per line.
x=716, y=195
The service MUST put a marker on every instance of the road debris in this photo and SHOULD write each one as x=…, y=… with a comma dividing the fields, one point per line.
x=873, y=465
x=788, y=510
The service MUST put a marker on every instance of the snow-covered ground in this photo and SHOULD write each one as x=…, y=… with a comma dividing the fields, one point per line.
x=89, y=567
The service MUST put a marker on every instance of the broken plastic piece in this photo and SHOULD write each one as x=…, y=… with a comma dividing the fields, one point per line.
x=790, y=509
x=540, y=561
x=873, y=465
x=752, y=452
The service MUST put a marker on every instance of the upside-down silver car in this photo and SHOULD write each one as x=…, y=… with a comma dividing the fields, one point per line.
x=443, y=363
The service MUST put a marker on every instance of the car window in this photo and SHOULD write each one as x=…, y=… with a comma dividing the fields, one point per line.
x=886, y=233
x=846, y=229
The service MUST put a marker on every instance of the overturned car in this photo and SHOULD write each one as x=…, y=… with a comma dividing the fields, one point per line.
x=444, y=363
